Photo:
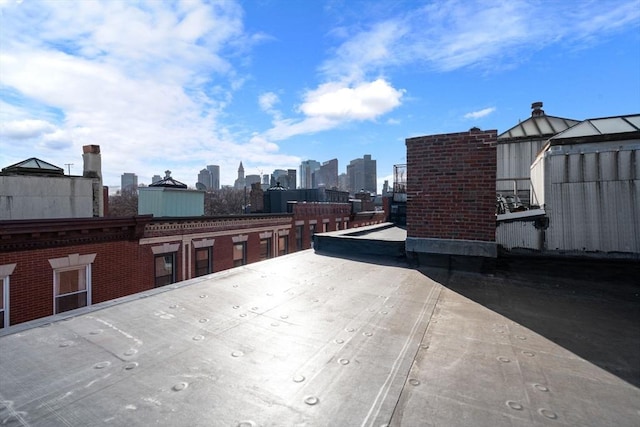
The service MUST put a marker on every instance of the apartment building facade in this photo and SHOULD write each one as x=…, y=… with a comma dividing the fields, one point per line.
x=53, y=266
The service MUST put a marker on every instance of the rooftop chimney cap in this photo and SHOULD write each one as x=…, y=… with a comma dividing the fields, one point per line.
x=94, y=149
x=537, y=109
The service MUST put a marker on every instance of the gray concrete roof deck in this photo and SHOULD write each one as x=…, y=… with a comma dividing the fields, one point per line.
x=384, y=239
x=387, y=231
x=309, y=339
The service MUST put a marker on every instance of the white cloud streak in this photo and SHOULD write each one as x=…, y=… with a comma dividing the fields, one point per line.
x=25, y=129
x=480, y=113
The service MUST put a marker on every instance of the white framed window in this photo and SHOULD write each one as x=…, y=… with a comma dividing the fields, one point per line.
x=5, y=273
x=71, y=282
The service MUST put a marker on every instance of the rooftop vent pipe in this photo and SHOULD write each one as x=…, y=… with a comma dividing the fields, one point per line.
x=537, y=109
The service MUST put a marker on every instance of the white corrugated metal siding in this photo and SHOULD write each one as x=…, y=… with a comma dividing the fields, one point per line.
x=594, y=200
x=538, y=181
x=514, y=161
x=519, y=234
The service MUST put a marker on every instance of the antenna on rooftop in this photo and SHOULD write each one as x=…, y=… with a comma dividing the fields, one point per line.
x=68, y=165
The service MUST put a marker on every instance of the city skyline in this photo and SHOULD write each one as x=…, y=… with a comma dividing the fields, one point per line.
x=212, y=171
x=176, y=86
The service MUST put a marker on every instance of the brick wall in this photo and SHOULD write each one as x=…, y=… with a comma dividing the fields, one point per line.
x=120, y=268
x=451, y=186
x=124, y=262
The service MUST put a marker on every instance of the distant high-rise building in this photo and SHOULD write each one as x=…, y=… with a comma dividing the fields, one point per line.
x=307, y=168
x=215, y=176
x=326, y=175
x=362, y=175
x=128, y=182
x=279, y=176
x=251, y=179
x=210, y=177
x=240, y=183
x=156, y=178
x=291, y=178
x=385, y=188
x=343, y=182
x=204, y=178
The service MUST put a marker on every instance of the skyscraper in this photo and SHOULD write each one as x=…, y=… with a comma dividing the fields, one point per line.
x=210, y=177
x=326, y=175
x=215, y=176
x=240, y=183
x=204, y=178
x=279, y=176
x=307, y=168
x=362, y=175
x=291, y=178
x=128, y=182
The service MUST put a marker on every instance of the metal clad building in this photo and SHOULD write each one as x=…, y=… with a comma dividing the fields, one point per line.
x=518, y=147
x=170, y=197
x=588, y=181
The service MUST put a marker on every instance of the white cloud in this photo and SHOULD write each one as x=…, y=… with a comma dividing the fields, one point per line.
x=455, y=34
x=366, y=51
x=480, y=113
x=258, y=141
x=25, y=129
x=333, y=104
x=267, y=102
x=364, y=101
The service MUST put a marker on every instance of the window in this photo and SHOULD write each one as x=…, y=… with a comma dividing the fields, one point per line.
x=325, y=227
x=203, y=261
x=165, y=272
x=312, y=232
x=337, y=225
x=239, y=254
x=5, y=271
x=4, y=290
x=283, y=245
x=299, y=231
x=71, y=282
x=265, y=248
x=71, y=288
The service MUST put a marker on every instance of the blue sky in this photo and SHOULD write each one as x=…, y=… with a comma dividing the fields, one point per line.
x=182, y=84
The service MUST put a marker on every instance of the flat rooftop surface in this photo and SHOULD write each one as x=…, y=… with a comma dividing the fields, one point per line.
x=313, y=340
x=385, y=232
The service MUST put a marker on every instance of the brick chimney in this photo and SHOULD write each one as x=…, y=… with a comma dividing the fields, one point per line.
x=93, y=169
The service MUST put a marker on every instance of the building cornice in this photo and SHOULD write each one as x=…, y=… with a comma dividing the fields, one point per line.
x=190, y=225
x=20, y=235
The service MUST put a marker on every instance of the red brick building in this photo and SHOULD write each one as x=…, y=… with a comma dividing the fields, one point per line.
x=52, y=266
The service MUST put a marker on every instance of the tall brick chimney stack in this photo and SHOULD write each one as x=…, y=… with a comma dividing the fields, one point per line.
x=93, y=169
